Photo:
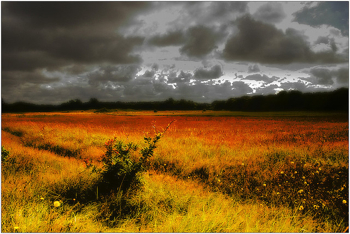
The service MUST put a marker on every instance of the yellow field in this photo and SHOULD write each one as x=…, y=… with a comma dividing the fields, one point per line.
x=211, y=172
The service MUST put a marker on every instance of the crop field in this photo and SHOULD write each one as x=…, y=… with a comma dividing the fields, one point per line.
x=174, y=171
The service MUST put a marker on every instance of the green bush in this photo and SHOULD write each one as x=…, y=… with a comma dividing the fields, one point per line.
x=4, y=154
x=120, y=171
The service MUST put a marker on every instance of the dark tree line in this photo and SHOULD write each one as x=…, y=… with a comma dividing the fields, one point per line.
x=337, y=100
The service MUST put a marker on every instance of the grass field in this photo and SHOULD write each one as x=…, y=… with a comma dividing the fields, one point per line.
x=212, y=171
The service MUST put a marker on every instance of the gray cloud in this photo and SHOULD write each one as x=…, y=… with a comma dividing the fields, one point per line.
x=72, y=14
x=259, y=77
x=200, y=41
x=209, y=13
x=170, y=38
x=54, y=34
x=253, y=68
x=13, y=79
x=182, y=77
x=325, y=76
x=342, y=75
x=271, y=12
x=322, y=75
x=148, y=74
x=240, y=88
x=327, y=41
x=120, y=73
x=334, y=13
x=213, y=73
x=260, y=42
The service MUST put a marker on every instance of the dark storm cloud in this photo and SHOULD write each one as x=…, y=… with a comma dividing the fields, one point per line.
x=260, y=42
x=53, y=34
x=323, y=75
x=342, y=75
x=222, y=9
x=240, y=88
x=271, y=12
x=71, y=14
x=213, y=73
x=211, y=12
x=120, y=73
x=168, y=39
x=13, y=79
x=333, y=13
x=326, y=76
x=200, y=41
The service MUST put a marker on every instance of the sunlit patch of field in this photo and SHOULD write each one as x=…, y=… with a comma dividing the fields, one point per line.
x=283, y=173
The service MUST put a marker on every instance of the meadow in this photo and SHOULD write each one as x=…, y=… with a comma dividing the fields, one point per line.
x=211, y=171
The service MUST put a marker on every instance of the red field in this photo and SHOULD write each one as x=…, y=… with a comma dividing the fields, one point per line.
x=295, y=160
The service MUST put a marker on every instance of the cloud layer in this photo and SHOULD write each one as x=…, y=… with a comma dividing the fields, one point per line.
x=201, y=51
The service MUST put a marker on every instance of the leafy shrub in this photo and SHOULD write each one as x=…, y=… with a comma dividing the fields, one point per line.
x=120, y=171
x=4, y=154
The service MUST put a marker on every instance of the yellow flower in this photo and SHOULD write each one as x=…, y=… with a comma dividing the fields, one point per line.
x=300, y=191
x=316, y=206
x=264, y=185
x=278, y=193
x=344, y=201
x=41, y=198
x=292, y=162
x=301, y=207
x=57, y=204
x=282, y=172
x=242, y=164
x=295, y=172
x=319, y=168
x=16, y=228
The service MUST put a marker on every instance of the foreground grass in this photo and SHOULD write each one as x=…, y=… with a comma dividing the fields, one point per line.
x=240, y=157
x=164, y=204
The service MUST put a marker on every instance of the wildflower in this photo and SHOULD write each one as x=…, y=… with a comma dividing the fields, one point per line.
x=57, y=204
x=301, y=207
x=282, y=172
x=319, y=168
x=300, y=191
x=41, y=198
x=305, y=182
x=316, y=207
x=264, y=185
x=242, y=164
x=295, y=172
x=219, y=180
x=344, y=201
x=278, y=193
x=304, y=177
x=16, y=228
x=292, y=162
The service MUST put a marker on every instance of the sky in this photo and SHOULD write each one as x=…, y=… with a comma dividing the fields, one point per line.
x=53, y=52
